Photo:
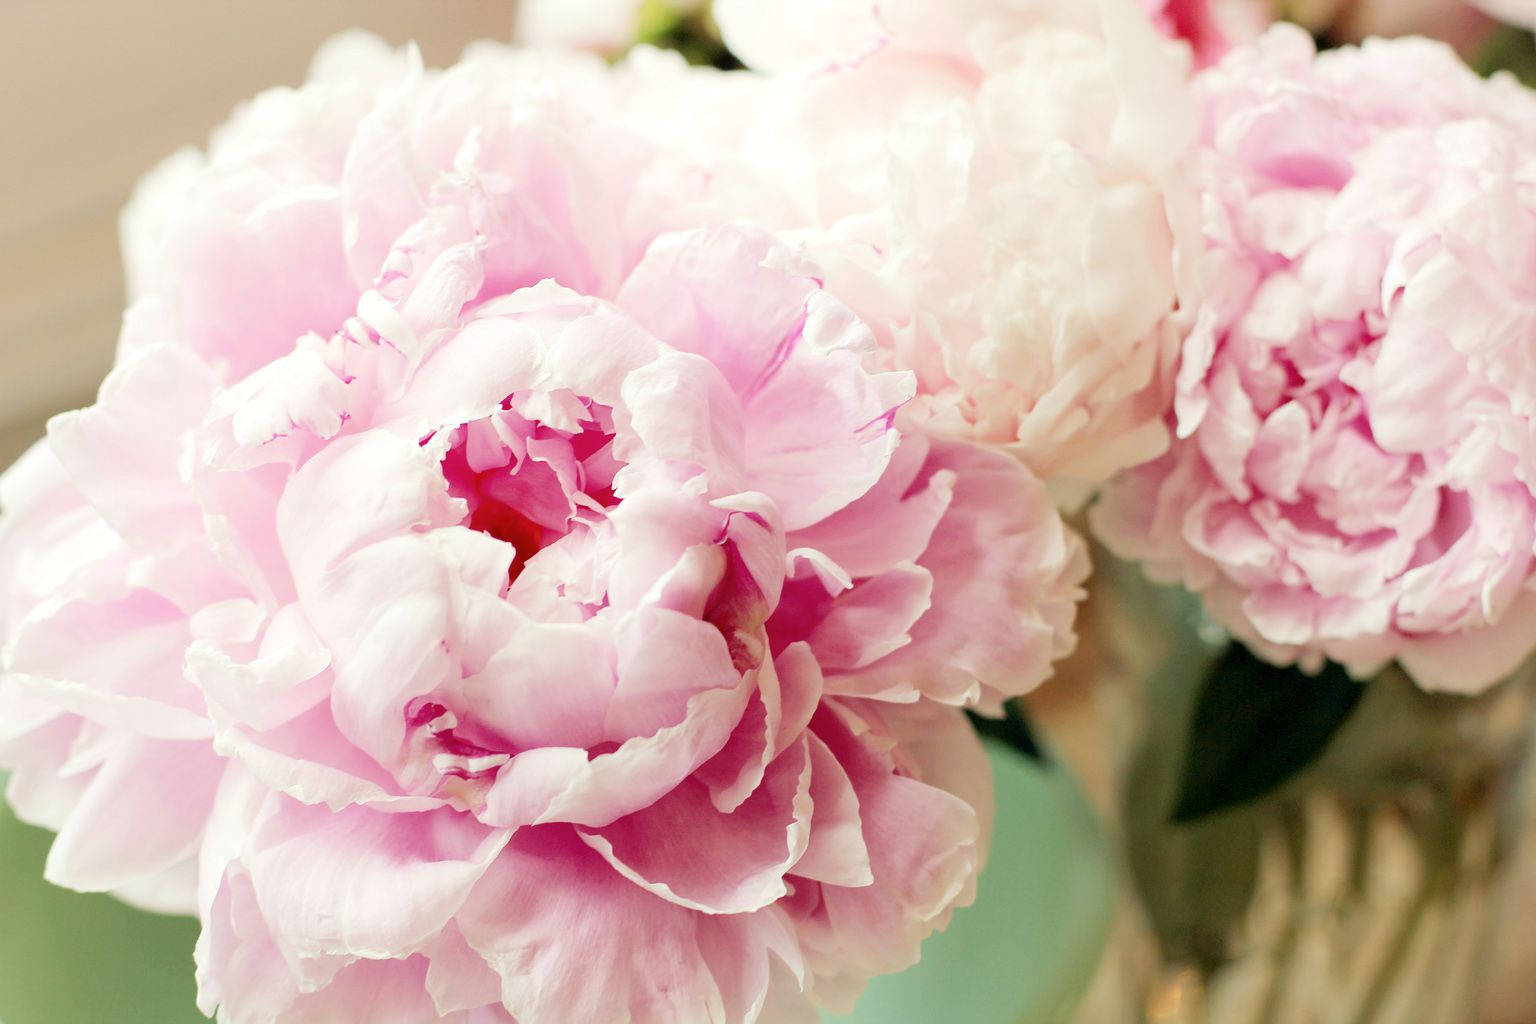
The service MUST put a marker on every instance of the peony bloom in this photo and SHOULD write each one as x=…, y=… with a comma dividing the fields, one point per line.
x=999, y=191
x=482, y=604
x=1355, y=405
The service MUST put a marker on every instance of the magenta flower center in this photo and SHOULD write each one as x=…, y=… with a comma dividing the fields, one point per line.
x=535, y=470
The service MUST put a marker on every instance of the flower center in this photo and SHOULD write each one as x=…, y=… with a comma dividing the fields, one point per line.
x=535, y=470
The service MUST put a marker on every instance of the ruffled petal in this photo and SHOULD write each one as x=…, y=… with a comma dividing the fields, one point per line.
x=686, y=851
x=356, y=883
x=792, y=355
x=124, y=451
x=1007, y=574
x=551, y=915
x=141, y=814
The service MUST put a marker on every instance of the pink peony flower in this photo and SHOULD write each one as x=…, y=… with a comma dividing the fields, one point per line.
x=999, y=191
x=481, y=604
x=1355, y=405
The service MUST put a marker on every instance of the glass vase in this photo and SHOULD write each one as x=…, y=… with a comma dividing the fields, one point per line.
x=1365, y=890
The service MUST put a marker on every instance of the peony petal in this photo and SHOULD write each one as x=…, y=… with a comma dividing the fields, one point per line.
x=382, y=991
x=222, y=240
x=281, y=678
x=124, y=451
x=837, y=853
x=871, y=620
x=1007, y=574
x=891, y=524
x=687, y=852
x=308, y=759
x=457, y=977
x=517, y=695
x=664, y=659
x=1461, y=662
x=924, y=847
x=141, y=814
x=359, y=883
x=789, y=353
x=115, y=661
x=553, y=784
x=551, y=915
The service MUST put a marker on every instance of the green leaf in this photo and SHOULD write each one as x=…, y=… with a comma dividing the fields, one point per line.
x=1508, y=49
x=1012, y=729
x=657, y=20
x=692, y=33
x=1255, y=726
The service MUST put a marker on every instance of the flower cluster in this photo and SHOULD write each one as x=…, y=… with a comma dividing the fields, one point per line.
x=532, y=556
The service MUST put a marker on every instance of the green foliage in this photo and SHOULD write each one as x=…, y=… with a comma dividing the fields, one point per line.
x=1013, y=729
x=1509, y=49
x=1256, y=726
x=694, y=34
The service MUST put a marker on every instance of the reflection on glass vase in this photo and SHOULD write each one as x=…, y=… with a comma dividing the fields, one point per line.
x=1361, y=891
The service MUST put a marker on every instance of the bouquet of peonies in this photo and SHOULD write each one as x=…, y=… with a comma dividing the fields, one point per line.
x=549, y=519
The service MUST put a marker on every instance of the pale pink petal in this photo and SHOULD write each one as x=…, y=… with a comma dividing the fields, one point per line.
x=273, y=682
x=737, y=298
x=361, y=883
x=458, y=978
x=562, y=784
x=1007, y=574
x=551, y=915
x=686, y=851
x=308, y=759
x=115, y=661
x=514, y=695
x=124, y=451
x=385, y=991
x=36, y=790
x=892, y=523
x=872, y=619
x=141, y=814
x=836, y=853
x=664, y=659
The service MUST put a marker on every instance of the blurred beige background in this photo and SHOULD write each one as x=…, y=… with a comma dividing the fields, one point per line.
x=94, y=93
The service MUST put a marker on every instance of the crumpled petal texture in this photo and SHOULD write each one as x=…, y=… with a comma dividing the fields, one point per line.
x=1355, y=405
x=481, y=603
x=1000, y=190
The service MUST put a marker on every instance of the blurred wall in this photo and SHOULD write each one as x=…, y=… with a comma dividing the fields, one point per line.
x=94, y=93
